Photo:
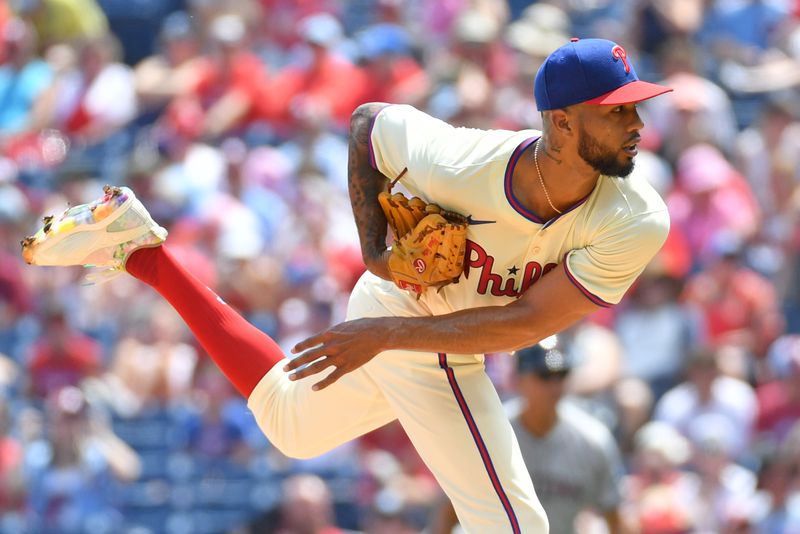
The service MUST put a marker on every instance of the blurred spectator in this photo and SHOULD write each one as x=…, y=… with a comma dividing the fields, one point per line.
x=727, y=489
x=63, y=21
x=226, y=89
x=91, y=103
x=211, y=424
x=779, y=478
x=541, y=29
x=12, y=487
x=707, y=391
x=68, y=470
x=152, y=366
x=696, y=111
x=608, y=19
x=390, y=522
x=391, y=73
x=16, y=296
x=712, y=203
x=662, y=20
x=172, y=71
x=571, y=456
x=595, y=353
x=673, y=329
x=399, y=486
x=741, y=31
x=469, y=73
x=738, y=306
x=306, y=507
x=5, y=13
x=660, y=496
x=634, y=402
x=62, y=357
x=23, y=77
x=779, y=395
x=137, y=24
x=321, y=85
x=769, y=155
x=283, y=16
x=264, y=181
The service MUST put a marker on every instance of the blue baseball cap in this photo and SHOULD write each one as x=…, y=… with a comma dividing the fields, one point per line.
x=544, y=358
x=595, y=71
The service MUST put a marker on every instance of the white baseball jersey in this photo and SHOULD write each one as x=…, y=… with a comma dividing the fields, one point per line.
x=446, y=402
x=604, y=241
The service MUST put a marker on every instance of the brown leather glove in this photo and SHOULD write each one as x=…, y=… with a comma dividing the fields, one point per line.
x=429, y=242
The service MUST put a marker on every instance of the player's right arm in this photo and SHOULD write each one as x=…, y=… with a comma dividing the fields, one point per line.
x=364, y=184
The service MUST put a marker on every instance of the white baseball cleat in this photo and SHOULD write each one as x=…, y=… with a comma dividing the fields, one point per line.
x=102, y=233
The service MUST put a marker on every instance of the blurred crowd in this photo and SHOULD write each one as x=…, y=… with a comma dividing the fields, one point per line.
x=229, y=119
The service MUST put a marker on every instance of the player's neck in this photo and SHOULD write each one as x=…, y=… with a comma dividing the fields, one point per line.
x=567, y=180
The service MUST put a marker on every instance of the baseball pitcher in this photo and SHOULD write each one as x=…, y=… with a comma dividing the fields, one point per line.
x=506, y=238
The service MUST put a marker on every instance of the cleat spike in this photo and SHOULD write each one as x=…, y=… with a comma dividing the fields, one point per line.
x=48, y=223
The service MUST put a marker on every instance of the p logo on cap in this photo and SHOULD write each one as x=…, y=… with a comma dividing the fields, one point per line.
x=619, y=53
x=587, y=70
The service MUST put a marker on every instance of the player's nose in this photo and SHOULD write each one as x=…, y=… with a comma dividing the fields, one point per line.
x=636, y=123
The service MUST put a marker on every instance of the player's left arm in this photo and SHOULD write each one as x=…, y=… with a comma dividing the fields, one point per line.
x=549, y=306
x=588, y=278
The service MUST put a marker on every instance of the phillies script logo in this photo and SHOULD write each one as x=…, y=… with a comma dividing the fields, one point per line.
x=619, y=53
x=419, y=265
x=496, y=284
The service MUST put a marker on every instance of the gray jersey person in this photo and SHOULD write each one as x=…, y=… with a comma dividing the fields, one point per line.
x=571, y=456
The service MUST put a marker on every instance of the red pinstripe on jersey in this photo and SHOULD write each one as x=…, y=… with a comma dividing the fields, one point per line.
x=476, y=435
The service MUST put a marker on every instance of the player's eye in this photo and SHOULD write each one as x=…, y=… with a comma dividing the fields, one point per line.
x=617, y=109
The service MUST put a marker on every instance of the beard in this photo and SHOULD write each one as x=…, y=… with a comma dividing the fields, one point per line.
x=602, y=158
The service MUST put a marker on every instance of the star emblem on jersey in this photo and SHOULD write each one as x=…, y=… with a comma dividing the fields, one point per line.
x=472, y=221
x=513, y=270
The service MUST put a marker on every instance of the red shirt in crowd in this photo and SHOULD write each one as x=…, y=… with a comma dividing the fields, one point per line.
x=63, y=358
x=778, y=407
x=330, y=83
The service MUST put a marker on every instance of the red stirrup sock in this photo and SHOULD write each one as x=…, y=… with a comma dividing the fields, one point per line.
x=244, y=353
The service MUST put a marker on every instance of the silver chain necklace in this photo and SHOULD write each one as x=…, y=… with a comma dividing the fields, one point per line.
x=541, y=180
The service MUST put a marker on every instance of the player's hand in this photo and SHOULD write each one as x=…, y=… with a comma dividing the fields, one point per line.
x=345, y=346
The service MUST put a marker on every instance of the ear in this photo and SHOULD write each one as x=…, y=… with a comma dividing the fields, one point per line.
x=563, y=122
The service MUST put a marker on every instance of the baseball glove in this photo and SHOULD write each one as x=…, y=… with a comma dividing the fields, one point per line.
x=429, y=242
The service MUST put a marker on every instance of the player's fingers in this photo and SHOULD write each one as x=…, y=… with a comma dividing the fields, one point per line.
x=307, y=357
x=308, y=343
x=330, y=379
x=314, y=368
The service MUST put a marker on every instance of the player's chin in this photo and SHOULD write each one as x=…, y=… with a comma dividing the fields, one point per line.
x=625, y=164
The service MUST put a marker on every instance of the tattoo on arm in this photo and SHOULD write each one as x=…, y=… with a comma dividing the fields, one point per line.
x=365, y=183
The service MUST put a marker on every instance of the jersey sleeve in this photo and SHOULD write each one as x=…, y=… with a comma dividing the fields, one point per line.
x=402, y=137
x=606, y=268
